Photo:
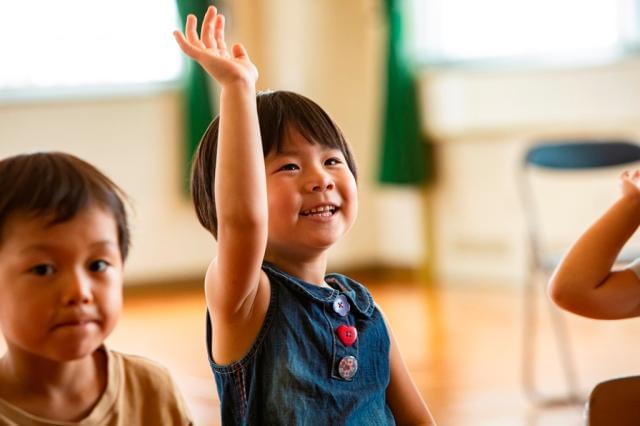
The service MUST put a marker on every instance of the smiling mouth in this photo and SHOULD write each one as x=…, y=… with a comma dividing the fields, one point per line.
x=321, y=211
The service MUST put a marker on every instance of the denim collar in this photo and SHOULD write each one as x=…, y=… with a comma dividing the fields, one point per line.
x=359, y=297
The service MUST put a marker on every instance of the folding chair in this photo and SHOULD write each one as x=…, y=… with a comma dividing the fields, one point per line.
x=615, y=402
x=567, y=156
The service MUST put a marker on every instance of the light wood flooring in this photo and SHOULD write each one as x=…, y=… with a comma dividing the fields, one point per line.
x=462, y=343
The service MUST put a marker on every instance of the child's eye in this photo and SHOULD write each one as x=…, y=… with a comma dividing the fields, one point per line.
x=42, y=270
x=332, y=161
x=289, y=167
x=98, y=266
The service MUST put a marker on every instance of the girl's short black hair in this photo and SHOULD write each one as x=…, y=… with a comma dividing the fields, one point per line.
x=57, y=185
x=277, y=110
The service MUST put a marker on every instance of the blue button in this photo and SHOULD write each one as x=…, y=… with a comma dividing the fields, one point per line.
x=341, y=305
x=348, y=367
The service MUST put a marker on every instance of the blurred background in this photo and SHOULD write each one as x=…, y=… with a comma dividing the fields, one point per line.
x=438, y=99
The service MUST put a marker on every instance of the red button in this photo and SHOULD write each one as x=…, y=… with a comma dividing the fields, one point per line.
x=347, y=334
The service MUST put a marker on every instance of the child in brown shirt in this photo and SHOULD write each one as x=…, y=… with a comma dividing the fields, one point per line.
x=63, y=241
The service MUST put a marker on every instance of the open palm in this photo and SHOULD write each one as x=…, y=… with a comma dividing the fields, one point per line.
x=210, y=50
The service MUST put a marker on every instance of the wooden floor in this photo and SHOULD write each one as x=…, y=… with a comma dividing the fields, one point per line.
x=461, y=343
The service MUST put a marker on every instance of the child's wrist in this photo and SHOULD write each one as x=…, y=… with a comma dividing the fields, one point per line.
x=240, y=86
x=240, y=80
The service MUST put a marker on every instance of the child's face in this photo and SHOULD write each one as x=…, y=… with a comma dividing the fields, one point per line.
x=60, y=285
x=301, y=178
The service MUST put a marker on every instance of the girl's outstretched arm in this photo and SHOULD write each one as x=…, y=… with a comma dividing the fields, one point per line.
x=584, y=282
x=233, y=278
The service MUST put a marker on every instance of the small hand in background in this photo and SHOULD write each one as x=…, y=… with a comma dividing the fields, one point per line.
x=210, y=50
x=630, y=183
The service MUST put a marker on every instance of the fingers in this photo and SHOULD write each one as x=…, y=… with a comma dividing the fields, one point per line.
x=186, y=47
x=207, y=33
x=211, y=34
x=191, y=31
x=219, y=35
x=239, y=52
x=630, y=181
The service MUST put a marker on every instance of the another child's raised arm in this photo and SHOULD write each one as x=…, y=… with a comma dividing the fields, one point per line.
x=240, y=182
x=584, y=282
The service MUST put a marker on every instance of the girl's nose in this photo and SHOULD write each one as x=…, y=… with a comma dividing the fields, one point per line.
x=320, y=182
x=77, y=289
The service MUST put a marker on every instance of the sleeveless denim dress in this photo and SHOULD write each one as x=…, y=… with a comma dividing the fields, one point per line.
x=308, y=366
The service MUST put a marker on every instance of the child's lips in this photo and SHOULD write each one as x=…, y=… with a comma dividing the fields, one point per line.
x=79, y=321
x=74, y=324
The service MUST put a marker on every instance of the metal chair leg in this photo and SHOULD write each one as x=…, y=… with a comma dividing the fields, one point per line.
x=529, y=346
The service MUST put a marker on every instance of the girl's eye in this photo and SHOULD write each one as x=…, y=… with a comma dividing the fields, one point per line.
x=98, y=266
x=42, y=270
x=289, y=167
x=332, y=161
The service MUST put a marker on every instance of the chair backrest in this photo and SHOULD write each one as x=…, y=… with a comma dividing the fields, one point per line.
x=565, y=185
x=581, y=154
x=615, y=402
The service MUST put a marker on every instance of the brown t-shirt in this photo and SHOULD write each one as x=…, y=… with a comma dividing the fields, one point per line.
x=139, y=392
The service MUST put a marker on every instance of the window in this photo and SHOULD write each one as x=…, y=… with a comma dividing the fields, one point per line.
x=448, y=31
x=79, y=43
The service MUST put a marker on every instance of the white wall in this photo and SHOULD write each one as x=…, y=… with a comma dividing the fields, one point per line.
x=483, y=120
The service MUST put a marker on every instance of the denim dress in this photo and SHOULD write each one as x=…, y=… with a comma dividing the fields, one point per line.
x=308, y=366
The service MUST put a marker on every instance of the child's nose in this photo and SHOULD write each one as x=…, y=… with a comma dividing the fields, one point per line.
x=77, y=289
x=320, y=182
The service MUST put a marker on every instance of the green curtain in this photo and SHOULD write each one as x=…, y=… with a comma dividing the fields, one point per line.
x=406, y=158
x=198, y=108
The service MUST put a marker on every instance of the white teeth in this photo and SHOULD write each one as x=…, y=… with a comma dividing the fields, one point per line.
x=322, y=211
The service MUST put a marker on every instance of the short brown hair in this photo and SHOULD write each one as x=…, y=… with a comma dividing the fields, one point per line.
x=276, y=111
x=58, y=185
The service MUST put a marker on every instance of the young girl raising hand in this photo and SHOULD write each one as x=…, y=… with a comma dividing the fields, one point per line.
x=274, y=181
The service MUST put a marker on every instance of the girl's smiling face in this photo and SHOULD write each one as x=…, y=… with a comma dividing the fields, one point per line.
x=312, y=197
x=60, y=284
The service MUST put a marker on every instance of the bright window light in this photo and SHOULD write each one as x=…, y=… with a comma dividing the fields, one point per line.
x=71, y=43
x=463, y=30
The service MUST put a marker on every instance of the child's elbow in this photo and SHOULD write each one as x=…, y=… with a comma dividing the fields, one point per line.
x=570, y=296
x=560, y=292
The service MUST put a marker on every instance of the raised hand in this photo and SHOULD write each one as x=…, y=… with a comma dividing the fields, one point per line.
x=630, y=183
x=210, y=50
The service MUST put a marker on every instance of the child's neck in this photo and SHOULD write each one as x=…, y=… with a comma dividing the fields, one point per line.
x=311, y=270
x=63, y=391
